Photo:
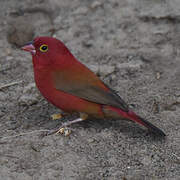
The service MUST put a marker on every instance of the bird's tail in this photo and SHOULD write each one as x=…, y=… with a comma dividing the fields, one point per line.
x=132, y=116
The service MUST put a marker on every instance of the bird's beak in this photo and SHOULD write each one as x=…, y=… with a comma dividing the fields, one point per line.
x=29, y=47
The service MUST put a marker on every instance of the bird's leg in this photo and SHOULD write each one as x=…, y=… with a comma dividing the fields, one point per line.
x=62, y=130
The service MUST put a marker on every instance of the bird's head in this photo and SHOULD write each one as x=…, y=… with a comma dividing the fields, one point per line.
x=46, y=51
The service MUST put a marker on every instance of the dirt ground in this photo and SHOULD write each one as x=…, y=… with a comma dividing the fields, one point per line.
x=134, y=47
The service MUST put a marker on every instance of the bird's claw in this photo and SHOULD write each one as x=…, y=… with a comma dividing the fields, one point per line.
x=63, y=128
x=64, y=131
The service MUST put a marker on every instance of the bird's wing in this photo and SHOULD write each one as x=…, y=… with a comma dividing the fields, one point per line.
x=83, y=83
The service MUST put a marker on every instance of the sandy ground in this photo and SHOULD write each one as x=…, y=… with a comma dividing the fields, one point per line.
x=134, y=46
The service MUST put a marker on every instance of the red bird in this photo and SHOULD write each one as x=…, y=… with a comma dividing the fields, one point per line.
x=72, y=87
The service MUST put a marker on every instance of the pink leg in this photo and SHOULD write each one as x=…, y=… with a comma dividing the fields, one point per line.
x=81, y=118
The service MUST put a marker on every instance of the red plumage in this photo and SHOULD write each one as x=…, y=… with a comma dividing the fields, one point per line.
x=72, y=87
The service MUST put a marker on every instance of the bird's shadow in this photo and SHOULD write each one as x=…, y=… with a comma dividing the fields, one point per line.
x=38, y=118
x=127, y=128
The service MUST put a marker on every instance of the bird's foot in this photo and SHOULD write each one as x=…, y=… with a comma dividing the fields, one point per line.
x=63, y=128
x=64, y=131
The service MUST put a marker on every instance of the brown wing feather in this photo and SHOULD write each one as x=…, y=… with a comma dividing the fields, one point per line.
x=86, y=85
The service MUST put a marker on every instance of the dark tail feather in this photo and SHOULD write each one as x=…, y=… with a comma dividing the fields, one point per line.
x=132, y=116
x=145, y=123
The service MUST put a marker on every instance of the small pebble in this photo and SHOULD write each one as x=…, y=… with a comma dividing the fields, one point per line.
x=96, y=4
x=158, y=75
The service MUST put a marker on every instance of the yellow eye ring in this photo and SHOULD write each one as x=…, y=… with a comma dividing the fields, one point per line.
x=43, y=48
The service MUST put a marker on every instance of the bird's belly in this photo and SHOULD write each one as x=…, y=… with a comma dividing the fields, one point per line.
x=63, y=100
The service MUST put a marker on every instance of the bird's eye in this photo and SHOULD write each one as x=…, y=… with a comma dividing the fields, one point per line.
x=43, y=48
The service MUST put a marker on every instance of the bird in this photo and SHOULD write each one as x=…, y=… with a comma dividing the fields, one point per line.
x=72, y=87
